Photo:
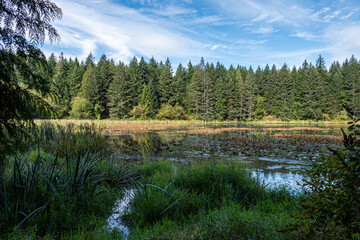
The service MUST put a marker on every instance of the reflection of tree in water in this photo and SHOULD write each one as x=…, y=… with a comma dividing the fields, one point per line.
x=147, y=145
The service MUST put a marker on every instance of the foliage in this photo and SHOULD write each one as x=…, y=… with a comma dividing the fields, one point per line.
x=98, y=110
x=64, y=188
x=208, y=92
x=166, y=112
x=81, y=108
x=24, y=25
x=332, y=209
x=139, y=112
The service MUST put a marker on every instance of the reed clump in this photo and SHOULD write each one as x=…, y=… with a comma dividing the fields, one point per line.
x=62, y=182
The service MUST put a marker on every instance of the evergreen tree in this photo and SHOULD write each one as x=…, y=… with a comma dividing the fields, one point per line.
x=89, y=86
x=145, y=100
x=337, y=85
x=236, y=97
x=166, y=87
x=180, y=85
x=351, y=73
x=282, y=104
x=201, y=94
x=323, y=87
x=104, y=77
x=61, y=88
x=152, y=87
x=120, y=99
x=133, y=85
x=76, y=72
x=249, y=95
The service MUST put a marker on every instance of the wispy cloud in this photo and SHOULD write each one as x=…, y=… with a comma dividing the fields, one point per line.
x=262, y=30
x=344, y=43
x=206, y=20
x=124, y=32
x=234, y=31
x=306, y=36
x=172, y=10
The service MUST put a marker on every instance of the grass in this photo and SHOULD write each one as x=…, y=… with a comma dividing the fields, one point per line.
x=207, y=202
x=60, y=185
x=65, y=186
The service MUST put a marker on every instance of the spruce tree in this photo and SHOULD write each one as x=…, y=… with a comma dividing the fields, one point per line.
x=120, y=99
x=236, y=97
x=201, y=94
x=104, y=77
x=249, y=94
x=89, y=86
x=166, y=87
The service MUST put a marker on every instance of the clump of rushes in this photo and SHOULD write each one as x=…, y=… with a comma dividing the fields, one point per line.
x=167, y=191
x=223, y=182
x=69, y=139
x=207, y=202
x=57, y=193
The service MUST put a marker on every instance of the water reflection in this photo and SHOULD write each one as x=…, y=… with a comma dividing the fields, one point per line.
x=276, y=160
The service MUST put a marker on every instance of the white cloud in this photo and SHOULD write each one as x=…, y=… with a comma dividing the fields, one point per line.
x=262, y=16
x=251, y=42
x=334, y=14
x=121, y=31
x=206, y=20
x=172, y=10
x=262, y=30
x=344, y=43
x=214, y=47
x=305, y=35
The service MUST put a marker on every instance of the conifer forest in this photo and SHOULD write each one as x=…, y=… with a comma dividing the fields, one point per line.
x=156, y=90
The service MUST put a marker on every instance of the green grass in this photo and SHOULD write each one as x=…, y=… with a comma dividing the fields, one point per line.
x=207, y=202
x=59, y=189
x=62, y=189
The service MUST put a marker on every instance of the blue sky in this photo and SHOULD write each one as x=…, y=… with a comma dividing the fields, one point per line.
x=237, y=32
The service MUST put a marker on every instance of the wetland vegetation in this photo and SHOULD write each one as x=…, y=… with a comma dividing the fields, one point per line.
x=171, y=179
x=188, y=180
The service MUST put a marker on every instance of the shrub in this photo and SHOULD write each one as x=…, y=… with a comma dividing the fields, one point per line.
x=332, y=209
x=139, y=112
x=81, y=108
x=166, y=112
x=169, y=112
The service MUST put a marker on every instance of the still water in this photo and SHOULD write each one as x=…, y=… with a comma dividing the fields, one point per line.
x=278, y=154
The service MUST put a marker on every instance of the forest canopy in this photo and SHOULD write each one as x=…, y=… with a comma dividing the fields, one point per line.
x=205, y=91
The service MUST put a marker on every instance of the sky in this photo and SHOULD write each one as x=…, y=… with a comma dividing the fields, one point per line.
x=232, y=32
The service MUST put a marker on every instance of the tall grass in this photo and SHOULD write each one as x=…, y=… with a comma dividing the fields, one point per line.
x=209, y=201
x=62, y=183
x=170, y=192
x=69, y=139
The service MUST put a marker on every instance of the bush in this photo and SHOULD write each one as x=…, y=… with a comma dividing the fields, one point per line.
x=166, y=112
x=81, y=108
x=139, y=112
x=332, y=209
x=169, y=112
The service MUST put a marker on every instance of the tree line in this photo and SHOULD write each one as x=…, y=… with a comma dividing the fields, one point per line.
x=205, y=91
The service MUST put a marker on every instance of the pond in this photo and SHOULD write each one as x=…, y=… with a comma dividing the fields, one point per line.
x=278, y=154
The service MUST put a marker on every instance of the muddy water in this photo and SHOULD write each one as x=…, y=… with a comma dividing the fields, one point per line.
x=278, y=154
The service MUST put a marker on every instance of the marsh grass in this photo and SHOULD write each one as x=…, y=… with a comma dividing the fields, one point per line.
x=208, y=201
x=69, y=139
x=60, y=185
